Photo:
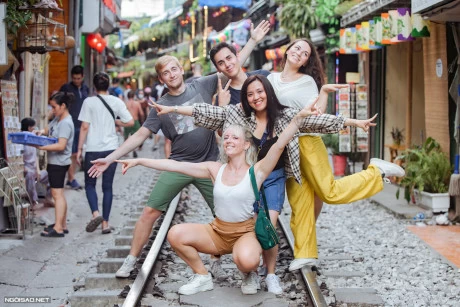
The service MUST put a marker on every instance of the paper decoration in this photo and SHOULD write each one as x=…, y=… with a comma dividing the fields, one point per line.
x=359, y=38
x=378, y=30
x=393, y=15
x=365, y=35
x=420, y=26
x=350, y=40
x=373, y=35
x=342, y=41
x=386, y=29
x=404, y=25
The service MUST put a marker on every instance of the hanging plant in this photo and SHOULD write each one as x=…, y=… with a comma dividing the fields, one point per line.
x=330, y=21
x=298, y=17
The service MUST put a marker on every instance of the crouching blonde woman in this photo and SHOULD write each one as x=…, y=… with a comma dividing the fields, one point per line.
x=232, y=231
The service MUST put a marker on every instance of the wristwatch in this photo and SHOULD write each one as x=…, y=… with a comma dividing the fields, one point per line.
x=175, y=109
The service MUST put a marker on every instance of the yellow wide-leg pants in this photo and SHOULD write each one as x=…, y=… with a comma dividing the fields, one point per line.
x=317, y=178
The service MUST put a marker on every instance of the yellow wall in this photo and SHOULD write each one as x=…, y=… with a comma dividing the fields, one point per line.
x=396, y=95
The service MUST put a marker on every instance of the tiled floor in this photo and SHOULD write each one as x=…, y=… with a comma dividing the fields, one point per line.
x=444, y=239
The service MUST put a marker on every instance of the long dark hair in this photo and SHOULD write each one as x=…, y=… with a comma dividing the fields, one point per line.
x=313, y=68
x=274, y=107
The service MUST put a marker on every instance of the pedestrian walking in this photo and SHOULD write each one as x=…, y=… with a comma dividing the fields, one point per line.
x=99, y=118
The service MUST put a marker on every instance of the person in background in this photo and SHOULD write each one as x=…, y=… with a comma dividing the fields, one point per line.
x=98, y=116
x=59, y=159
x=142, y=98
x=197, y=72
x=32, y=172
x=134, y=107
x=116, y=90
x=80, y=91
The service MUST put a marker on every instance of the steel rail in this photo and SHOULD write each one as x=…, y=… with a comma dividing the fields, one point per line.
x=308, y=275
x=139, y=283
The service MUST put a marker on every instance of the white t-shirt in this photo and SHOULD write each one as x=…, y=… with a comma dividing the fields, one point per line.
x=101, y=134
x=295, y=94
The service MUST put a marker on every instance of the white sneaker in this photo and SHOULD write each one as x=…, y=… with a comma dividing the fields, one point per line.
x=273, y=284
x=217, y=271
x=250, y=284
x=301, y=262
x=197, y=283
x=127, y=267
x=388, y=169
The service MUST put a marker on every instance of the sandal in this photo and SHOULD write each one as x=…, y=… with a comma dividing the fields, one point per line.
x=49, y=227
x=52, y=234
x=107, y=230
x=94, y=223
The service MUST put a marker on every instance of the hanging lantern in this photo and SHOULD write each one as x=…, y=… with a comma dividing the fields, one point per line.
x=91, y=40
x=350, y=40
x=420, y=26
x=365, y=35
x=359, y=38
x=378, y=30
x=342, y=41
x=404, y=25
x=393, y=14
x=386, y=29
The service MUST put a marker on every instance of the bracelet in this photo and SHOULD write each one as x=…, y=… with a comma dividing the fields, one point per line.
x=175, y=109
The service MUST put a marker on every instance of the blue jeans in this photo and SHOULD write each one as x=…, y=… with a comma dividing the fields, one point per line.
x=107, y=182
x=274, y=187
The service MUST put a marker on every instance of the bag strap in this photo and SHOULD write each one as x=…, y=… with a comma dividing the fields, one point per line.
x=264, y=138
x=256, y=191
x=254, y=183
x=107, y=106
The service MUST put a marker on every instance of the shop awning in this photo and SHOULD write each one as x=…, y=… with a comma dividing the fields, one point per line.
x=168, y=15
x=239, y=4
x=368, y=9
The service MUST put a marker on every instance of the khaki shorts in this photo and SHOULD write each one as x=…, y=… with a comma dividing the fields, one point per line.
x=224, y=234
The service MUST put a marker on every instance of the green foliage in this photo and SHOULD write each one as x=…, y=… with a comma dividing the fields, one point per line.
x=327, y=17
x=342, y=8
x=15, y=18
x=159, y=31
x=298, y=17
x=331, y=141
x=427, y=169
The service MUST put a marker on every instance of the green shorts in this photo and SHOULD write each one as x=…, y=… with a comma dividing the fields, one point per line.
x=131, y=130
x=169, y=184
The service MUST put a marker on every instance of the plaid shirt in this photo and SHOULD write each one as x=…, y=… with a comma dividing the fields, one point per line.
x=215, y=118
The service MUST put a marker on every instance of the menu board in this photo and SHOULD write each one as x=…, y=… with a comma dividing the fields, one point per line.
x=11, y=122
x=345, y=109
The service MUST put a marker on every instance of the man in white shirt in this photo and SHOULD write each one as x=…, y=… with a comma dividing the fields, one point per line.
x=98, y=116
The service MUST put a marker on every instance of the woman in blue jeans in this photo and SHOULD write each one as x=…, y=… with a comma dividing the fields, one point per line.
x=98, y=116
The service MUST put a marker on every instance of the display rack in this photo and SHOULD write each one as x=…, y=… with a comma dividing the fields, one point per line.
x=16, y=201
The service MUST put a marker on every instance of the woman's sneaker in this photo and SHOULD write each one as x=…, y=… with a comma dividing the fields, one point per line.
x=251, y=283
x=387, y=169
x=273, y=284
x=301, y=262
x=197, y=283
x=125, y=270
x=217, y=271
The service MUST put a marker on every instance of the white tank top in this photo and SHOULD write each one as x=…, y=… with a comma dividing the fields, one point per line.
x=233, y=204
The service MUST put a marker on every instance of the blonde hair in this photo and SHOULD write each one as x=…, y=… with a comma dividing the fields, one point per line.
x=251, y=152
x=163, y=61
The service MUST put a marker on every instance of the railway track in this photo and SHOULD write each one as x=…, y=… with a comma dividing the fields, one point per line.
x=160, y=272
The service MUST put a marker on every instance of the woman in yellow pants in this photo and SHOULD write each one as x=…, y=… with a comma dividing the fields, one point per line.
x=296, y=86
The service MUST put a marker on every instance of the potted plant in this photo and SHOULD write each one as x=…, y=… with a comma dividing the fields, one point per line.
x=397, y=136
x=339, y=159
x=427, y=177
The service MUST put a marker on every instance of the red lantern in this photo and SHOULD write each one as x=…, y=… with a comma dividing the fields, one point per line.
x=92, y=40
x=100, y=46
